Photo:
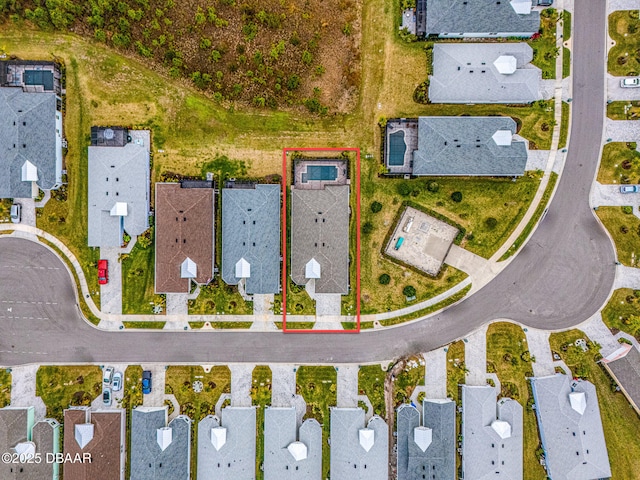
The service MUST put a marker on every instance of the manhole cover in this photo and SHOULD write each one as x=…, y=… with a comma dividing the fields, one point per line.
x=197, y=386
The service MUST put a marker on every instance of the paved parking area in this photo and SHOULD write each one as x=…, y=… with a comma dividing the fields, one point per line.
x=538, y=342
x=111, y=293
x=283, y=385
x=622, y=130
x=435, y=380
x=616, y=92
x=156, y=397
x=347, y=386
x=241, y=384
x=475, y=357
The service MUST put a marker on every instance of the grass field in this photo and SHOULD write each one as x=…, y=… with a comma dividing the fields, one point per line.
x=371, y=383
x=625, y=230
x=179, y=381
x=620, y=422
x=152, y=325
x=138, y=271
x=61, y=387
x=624, y=56
x=261, y=397
x=564, y=126
x=5, y=388
x=407, y=380
x=534, y=219
x=318, y=387
x=622, y=313
x=566, y=25
x=620, y=163
x=219, y=298
x=544, y=47
x=508, y=356
x=622, y=110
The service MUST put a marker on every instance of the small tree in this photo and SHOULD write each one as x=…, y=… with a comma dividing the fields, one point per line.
x=456, y=197
x=367, y=227
x=384, y=279
x=491, y=223
x=376, y=207
x=404, y=189
x=409, y=291
x=433, y=187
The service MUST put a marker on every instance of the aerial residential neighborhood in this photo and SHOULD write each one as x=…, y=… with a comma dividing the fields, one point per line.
x=320, y=240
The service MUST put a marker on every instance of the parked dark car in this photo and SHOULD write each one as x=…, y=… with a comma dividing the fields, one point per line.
x=146, y=381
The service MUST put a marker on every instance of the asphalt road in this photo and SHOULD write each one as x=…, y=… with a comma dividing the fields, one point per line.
x=560, y=278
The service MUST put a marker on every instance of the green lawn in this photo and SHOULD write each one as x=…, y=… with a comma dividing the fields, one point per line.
x=564, y=125
x=5, y=388
x=318, y=386
x=508, y=356
x=371, y=383
x=534, y=219
x=624, y=56
x=620, y=163
x=625, y=230
x=61, y=387
x=298, y=301
x=138, y=270
x=229, y=325
x=407, y=380
x=544, y=47
x=566, y=25
x=153, y=325
x=425, y=311
x=622, y=110
x=261, y=397
x=219, y=298
x=620, y=422
x=622, y=313
x=179, y=381
x=354, y=325
x=566, y=62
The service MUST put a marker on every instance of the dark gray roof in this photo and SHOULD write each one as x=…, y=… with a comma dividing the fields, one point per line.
x=118, y=175
x=148, y=460
x=466, y=73
x=349, y=459
x=478, y=17
x=626, y=371
x=466, y=146
x=17, y=426
x=280, y=431
x=251, y=230
x=438, y=461
x=574, y=442
x=30, y=130
x=320, y=231
x=485, y=453
x=236, y=457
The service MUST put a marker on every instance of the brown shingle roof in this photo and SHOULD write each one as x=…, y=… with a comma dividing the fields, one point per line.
x=184, y=228
x=104, y=447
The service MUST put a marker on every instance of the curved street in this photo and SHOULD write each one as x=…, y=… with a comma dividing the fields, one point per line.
x=560, y=278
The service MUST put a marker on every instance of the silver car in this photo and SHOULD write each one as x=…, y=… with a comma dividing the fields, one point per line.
x=106, y=397
x=16, y=213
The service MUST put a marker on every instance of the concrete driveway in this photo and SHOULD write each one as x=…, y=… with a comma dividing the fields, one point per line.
x=610, y=196
x=613, y=5
x=111, y=293
x=616, y=92
x=622, y=130
x=156, y=397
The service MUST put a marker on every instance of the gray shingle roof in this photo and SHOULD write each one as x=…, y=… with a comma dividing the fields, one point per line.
x=251, y=230
x=484, y=451
x=320, y=231
x=349, y=460
x=118, y=175
x=236, y=458
x=466, y=73
x=148, y=460
x=280, y=431
x=465, y=146
x=478, y=18
x=574, y=443
x=439, y=459
x=30, y=130
x=17, y=426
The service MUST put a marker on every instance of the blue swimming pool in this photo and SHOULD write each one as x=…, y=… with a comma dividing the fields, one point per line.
x=320, y=172
x=397, y=148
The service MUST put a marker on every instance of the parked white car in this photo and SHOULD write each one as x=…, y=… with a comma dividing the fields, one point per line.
x=630, y=82
x=116, y=384
x=107, y=376
x=16, y=213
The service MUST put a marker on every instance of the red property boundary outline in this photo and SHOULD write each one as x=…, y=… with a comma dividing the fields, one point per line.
x=285, y=151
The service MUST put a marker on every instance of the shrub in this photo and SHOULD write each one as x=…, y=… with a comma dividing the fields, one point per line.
x=367, y=227
x=456, y=197
x=384, y=279
x=627, y=209
x=433, y=187
x=376, y=207
x=404, y=189
x=409, y=291
x=491, y=223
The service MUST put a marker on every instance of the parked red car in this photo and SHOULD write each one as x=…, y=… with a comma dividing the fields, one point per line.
x=103, y=272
